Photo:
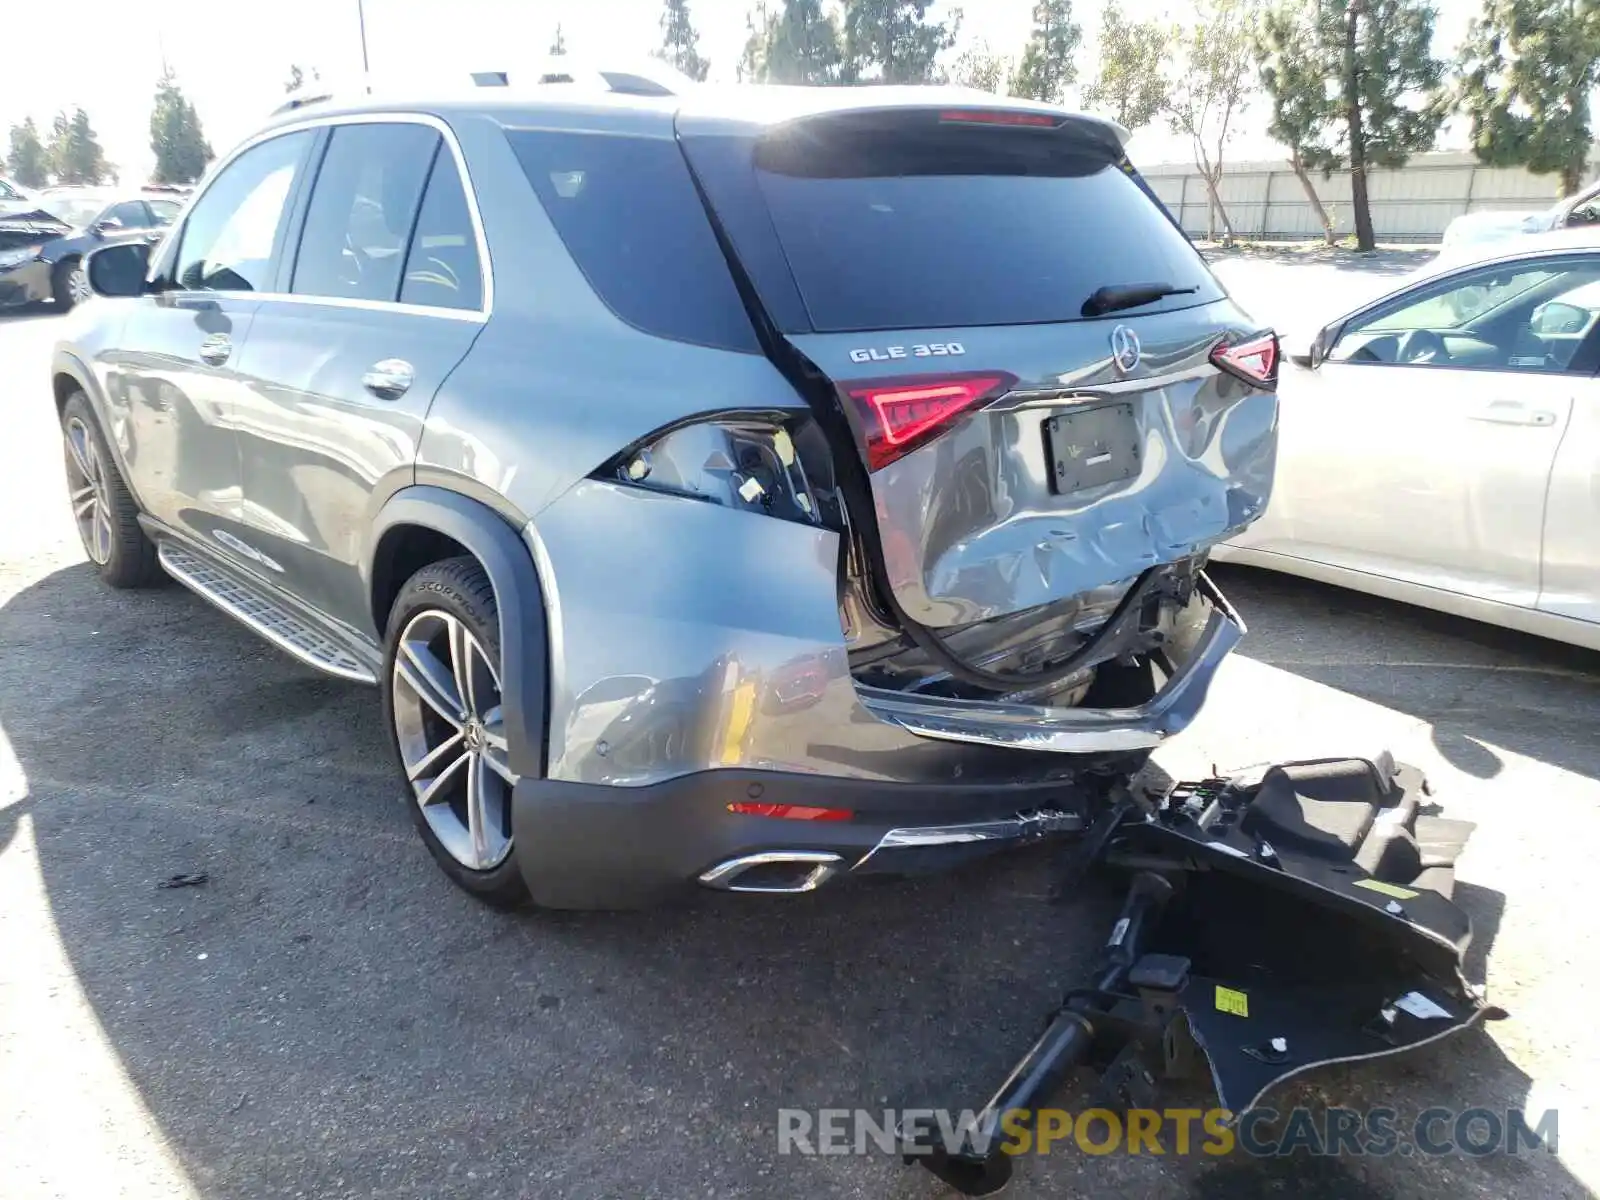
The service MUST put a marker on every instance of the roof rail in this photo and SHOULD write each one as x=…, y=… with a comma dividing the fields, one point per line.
x=314, y=92
x=648, y=77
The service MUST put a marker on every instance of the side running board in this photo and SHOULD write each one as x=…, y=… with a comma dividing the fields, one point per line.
x=270, y=618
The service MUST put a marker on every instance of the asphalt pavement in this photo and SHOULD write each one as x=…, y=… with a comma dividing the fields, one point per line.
x=327, y=1017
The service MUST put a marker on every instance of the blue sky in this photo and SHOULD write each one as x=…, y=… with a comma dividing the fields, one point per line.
x=232, y=56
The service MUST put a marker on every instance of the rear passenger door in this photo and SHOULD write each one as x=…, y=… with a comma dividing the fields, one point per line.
x=382, y=299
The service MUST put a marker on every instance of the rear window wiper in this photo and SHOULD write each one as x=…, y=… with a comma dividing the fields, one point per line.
x=1117, y=296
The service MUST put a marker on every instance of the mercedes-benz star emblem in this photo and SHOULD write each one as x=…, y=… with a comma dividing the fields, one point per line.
x=1125, y=348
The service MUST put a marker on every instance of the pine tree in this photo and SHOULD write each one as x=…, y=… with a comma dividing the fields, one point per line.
x=798, y=42
x=892, y=41
x=680, y=44
x=1363, y=91
x=27, y=161
x=1301, y=106
x=558, y=45
x=1047, y=64
x=1132, y=85
x=176, y=138
x=74, y=152
x=1528, y=68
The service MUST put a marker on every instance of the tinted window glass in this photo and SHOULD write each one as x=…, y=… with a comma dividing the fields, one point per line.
x=131, y=214
x=165, y=212
x=231, y=235
x=629, y=215
x=442, y=268
x=917, y=228
x=362, y=207
x=1529, y=316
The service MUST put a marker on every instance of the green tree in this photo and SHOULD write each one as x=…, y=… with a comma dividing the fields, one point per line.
x=1364, y=89
x=297, y=77
x=176, y=138
x=796, y=42
x=892, y=41
x=978, y=67
x=1527, y=70
x=1210, y=88
x=1048, y=63
x=1132, y=85
x=558, y=46
x=74, y=152
x=680, y=44
x=1290, y=74
x=27, y=161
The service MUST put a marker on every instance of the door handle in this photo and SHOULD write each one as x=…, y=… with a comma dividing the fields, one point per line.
x=1514, y=412
x=216, y=348
x=389, y=379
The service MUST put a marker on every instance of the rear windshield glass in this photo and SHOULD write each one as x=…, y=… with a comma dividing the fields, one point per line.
x=968, y=227
x=628, y=213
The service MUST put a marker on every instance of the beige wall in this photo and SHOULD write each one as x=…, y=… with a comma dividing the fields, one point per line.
x=1415, y=203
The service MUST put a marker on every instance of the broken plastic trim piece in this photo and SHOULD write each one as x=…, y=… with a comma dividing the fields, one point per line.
x=1341, y=944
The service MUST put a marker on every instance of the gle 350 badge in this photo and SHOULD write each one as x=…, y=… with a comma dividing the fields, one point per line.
x=930, y=350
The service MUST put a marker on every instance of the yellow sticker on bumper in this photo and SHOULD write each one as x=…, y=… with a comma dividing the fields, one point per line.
x=1230, y=1001
x=1386, y=889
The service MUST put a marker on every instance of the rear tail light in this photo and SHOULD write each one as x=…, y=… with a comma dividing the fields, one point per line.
x=1254, y=361
x=747, y=462
x=898, y=417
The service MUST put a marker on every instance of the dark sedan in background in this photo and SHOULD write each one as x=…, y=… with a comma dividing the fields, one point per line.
x=42, y=250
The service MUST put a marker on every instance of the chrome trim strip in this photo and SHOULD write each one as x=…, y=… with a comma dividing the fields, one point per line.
x=287, y=645
x=480, y=314
x=1022, y=827
x=1054, y=397
x=724, y=876
x=1073, y=730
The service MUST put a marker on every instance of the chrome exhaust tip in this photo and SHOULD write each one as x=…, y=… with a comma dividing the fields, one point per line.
x=775, y=872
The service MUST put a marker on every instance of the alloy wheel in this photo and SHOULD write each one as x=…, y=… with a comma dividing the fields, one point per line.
x=451, y=733
x=91, y=497
x=78, y=284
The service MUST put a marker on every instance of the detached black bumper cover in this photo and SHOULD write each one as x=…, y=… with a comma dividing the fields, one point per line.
x=1274, y=924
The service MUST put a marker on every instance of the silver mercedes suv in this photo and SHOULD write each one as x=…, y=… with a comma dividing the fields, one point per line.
x=740, y=488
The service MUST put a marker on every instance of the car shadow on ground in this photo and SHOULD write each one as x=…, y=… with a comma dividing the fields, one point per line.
x=326, y=1015
x=1478, y=686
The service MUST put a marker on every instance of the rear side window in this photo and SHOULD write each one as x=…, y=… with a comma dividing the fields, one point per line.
x=361, y=212
x=912, y=228
x=628, y=213
x=442, y=267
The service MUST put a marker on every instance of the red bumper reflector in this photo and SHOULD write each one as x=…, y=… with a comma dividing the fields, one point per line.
x=791, y=812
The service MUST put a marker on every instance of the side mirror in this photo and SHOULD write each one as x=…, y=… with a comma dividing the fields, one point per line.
x=109, y=225
x=119, y=270
x=1313, y=355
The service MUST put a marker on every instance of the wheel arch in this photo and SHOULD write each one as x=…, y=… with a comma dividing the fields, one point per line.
x=441, y=520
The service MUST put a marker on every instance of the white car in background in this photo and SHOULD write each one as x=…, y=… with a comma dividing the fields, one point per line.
x=1440, y=445
x=1496, y=225
x=12, y=198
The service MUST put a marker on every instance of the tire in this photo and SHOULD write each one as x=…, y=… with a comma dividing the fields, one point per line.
x=103, y=509
x=441, y=703
x=68, y=283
